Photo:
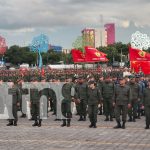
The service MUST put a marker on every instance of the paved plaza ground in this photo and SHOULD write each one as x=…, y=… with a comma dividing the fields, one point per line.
x=77, y=137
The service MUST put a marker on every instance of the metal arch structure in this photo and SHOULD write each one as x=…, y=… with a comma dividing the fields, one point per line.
x=40, y=44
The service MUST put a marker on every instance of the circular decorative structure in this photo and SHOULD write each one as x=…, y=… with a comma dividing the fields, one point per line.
x=140, y=41
x=40, y=44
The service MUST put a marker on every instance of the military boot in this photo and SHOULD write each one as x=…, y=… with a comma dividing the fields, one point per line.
x=118, y=125
x=15, y=123
x=94, y=125
x=123, y=125
x=64, y=123
x=10, y=123
x=91, y=125
x=68, y=122
x=147, y=126
x=35, y=123
x=40, y=123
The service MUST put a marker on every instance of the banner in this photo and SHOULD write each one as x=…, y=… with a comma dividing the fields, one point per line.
x=139, y=60
x=94, y=55
x=143, y=66
x=90, y=55
x=138, y=55
x=77, y=56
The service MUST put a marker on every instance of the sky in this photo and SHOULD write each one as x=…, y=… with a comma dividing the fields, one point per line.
x=63, y=20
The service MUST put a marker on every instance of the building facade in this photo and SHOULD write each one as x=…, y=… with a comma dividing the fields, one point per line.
x=94, y=37
x=110, y=29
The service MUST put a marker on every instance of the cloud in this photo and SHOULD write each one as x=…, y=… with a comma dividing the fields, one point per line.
x=52, y=17
x=49, y=13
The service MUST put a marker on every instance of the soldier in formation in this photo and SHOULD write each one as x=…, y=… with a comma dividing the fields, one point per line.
x=94, y=98
x=13, y=107
x=122, y=101
x=117, y=95
x=81, y=94
x=68, y=94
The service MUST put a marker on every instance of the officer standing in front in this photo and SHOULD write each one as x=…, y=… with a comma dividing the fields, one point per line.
x=136, y=95
x=107, y=94
x=15, y=104
x=122, y=101
x=81, y=90
x=68, y=93
x=35, y=104
x=94, y=98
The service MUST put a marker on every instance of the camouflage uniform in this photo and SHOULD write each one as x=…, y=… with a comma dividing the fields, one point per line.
x=94, y=98
x=66, y=103
x=35, y=104
x=122, y=97
x=136, y=94
x=107, y=94
x=81, y=94
x=15, y=100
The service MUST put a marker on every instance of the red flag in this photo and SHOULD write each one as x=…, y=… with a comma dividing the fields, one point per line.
x=77, y=56
x=138, y=55
x=91, y=48
x=143, y=66
x=42, y=72
x=93, y=55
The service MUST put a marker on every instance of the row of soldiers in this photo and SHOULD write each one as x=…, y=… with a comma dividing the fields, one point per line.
x=124, y=96
x=116, y=95
x=48, y=74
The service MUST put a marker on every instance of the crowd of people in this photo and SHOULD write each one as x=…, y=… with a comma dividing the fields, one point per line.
x=112, y=92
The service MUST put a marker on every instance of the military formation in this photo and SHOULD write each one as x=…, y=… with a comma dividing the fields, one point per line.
x=115, y=93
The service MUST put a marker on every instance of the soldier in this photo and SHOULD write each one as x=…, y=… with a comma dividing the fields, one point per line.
x=35, y=104
x=146, y=102
x=136, y=94
x=67, y=92
x=94, y=98
x=122, y=101
x=22, y=103
x=107, y=94
x=81, y=90
x=140, y=81
x=15, y=103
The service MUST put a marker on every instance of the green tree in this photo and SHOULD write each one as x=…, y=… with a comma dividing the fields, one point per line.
x=51, y=57
x=18, y=55
x=115, y=51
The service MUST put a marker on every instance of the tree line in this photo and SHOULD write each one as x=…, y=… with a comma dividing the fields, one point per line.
x=18, y=55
